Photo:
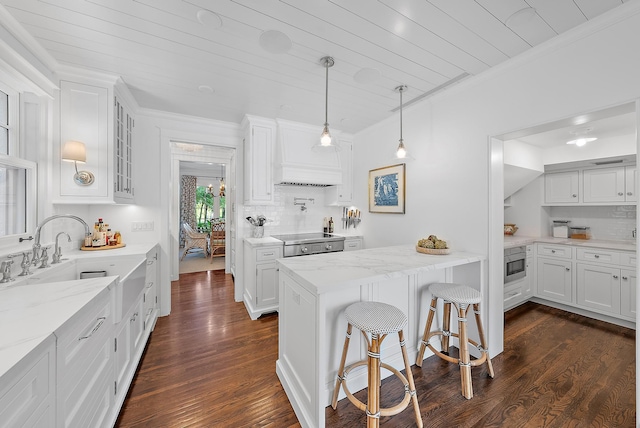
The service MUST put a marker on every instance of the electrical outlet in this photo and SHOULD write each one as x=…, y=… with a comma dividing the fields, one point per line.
x=141, y=226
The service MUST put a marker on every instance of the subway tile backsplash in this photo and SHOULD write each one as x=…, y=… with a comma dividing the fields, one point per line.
x=284, y=217
x=606, y=222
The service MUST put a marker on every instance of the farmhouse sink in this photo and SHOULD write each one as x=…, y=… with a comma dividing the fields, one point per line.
x=130, y=269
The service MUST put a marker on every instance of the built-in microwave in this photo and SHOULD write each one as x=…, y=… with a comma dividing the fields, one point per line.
x=515, y=263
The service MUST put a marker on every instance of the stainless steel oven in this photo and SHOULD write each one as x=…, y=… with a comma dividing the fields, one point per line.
x=305, y=244
x=515, y=263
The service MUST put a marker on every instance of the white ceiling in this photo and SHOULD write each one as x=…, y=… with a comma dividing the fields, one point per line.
x=204, y=58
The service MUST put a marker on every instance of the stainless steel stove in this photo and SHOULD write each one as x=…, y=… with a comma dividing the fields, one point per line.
x=304, y=244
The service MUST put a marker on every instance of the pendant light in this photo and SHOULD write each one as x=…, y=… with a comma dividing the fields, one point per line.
x=401, y=151
x=326, y=141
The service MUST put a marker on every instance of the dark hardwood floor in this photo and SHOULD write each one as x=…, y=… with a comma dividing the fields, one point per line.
x=209, y=365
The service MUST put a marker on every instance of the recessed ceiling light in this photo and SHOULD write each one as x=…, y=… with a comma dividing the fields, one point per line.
x=275, y=42
x=581, y=137
x=367, y=76
x=208, y=18
x=205, y=89
x=521, y=17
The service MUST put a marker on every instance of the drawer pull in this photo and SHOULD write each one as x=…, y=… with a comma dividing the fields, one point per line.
x=96, y=328
x=135, y=316
x=597, y=256
x=553, y=251
x=268, y=254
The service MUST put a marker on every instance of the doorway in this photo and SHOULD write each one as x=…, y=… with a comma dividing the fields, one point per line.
x=203, y=212
x=201, y=157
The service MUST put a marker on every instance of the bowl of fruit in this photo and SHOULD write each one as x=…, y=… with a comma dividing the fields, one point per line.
x=433, y=245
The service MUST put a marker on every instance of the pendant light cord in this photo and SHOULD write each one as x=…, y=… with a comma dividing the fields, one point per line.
x=401, y=89
x=326, y=95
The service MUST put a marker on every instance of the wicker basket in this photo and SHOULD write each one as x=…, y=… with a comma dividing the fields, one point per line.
x=439, y=251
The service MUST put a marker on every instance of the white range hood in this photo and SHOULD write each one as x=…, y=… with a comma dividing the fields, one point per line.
x=297, y=164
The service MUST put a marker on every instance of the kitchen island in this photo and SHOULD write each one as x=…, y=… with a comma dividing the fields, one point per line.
x=314, y=292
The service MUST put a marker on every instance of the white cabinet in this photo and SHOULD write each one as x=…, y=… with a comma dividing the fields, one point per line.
x=123, y=154
x=342, y=194
x=554, y=279
x=598, y=287
x=519, y=291
x=259, y=149
x=352, y=243
x=609, y=184
x=85, y=367
x=99, y=114
x=27, y=392
x=628, y=281
x=261, y=279
x=562, y=187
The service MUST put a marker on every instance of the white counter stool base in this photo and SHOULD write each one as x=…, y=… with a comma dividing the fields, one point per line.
x=378, y=320
x=462, y=297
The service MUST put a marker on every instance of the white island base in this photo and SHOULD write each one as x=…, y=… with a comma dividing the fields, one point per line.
x=314, y=292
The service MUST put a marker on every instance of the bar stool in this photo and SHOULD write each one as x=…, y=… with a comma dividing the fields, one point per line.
x=378, y=320
x=461, y=297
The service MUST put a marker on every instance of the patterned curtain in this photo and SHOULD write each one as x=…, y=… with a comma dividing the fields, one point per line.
x=187, y=203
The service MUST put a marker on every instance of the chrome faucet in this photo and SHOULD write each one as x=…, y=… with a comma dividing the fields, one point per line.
x=36, y=244
x=25, y=264
x=57, y=255
x=5, y=269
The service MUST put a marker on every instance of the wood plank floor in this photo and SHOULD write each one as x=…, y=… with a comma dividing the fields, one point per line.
x=209, y=365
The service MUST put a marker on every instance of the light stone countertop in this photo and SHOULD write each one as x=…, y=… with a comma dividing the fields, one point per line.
x=516, y=241
x=29, y=314
x=262, y=242
x=321, y=273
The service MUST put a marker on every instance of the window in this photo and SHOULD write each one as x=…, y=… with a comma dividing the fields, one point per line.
x=17, y=175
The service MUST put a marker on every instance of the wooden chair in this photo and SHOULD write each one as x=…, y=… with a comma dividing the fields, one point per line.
x=217, y=239
x=194, y=240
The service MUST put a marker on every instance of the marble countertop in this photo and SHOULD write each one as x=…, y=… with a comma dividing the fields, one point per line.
x=30, y=314
x=323, y=273
x=262, y=242
x=515, y=241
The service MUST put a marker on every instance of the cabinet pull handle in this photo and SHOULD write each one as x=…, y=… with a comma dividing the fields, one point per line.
x=553, y=251
x=135, y=316
x=567, y=269
x=597, y=256
x=150, y=284
x=615, y=276
x=268, y=254
x=625, y=278
x=97, y=326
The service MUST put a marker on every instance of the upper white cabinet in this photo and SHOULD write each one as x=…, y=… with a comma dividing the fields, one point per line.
x=591, y=186
x=342, y=194
x=562, y=187
x=259, y=149
x=610, y=184
x=99, y=114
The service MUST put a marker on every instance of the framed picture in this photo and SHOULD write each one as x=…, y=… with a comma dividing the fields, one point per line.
x=386, y=189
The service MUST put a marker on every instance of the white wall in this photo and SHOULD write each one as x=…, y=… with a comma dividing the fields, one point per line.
x=448, y=192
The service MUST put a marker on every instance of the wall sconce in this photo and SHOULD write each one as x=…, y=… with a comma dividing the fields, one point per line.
x=75, y=151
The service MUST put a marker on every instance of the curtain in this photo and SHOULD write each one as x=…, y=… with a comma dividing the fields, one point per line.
x=187, y=203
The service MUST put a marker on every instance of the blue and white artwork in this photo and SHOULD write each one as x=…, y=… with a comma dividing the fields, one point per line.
x=385, y=190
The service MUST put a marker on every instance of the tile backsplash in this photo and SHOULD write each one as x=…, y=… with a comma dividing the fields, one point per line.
x=285, y=217
x=606, y=222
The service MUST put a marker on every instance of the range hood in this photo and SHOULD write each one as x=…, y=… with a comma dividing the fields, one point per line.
x=296, y=164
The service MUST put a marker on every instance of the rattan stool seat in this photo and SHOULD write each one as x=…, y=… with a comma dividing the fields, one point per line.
x=376, y=317
x=455, y=293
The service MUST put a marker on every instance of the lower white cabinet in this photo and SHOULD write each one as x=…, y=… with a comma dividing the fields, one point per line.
x=85, y=366
x=261, y=278
x=598, y=287
x=352, y=244
x=554, y=279
x=628, y=293
x=27, y=397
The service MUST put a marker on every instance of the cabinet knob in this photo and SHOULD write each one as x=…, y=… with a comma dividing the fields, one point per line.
x=567, y=269
x=597, y=256
x=553, y=251
x=620, y=193
x=574, y=195
x=629, y=193
x=625, y=278
x=615, y=276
